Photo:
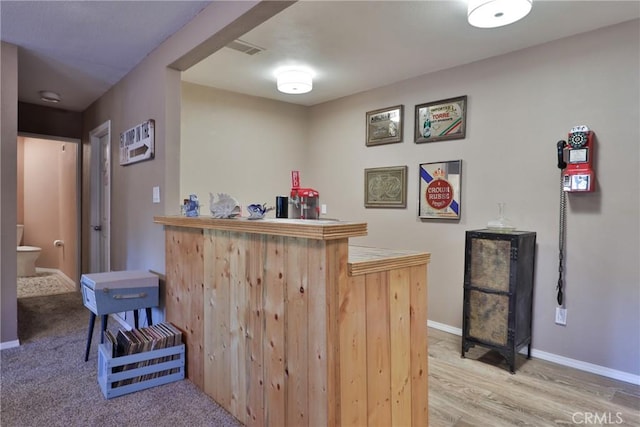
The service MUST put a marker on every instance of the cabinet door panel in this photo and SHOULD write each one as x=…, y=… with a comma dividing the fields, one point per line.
x=490, y=261
x=488, y=317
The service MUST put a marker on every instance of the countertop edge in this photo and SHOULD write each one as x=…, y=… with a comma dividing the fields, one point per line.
x=363, y=260
x=309, y=229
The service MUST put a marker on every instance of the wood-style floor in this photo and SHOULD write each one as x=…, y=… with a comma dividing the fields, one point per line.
x=479, y=390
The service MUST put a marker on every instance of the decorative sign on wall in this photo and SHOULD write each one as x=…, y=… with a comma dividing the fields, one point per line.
x=385, y=126
x=138, y=143
x=440, y=190
x=441, y=120
x=385, y=187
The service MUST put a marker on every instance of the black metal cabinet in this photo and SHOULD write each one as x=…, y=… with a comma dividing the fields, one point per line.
x=498, y=291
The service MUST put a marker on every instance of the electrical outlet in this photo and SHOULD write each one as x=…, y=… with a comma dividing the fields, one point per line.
x=561, y=316
x=323, y=209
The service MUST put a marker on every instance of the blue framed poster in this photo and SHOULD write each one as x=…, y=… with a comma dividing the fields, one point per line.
x=440, y=190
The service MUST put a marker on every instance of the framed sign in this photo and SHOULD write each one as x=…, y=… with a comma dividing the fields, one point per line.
x=384, y=126
x=440, y=190
x=441, y=120
x=385, y=187
x=138, y=143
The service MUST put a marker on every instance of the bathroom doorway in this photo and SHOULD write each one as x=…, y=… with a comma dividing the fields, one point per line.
x=48, y=205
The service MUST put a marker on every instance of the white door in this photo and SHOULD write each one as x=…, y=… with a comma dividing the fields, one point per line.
x=100, y=198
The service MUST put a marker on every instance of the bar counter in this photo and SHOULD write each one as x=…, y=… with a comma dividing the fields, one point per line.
x=286, y=324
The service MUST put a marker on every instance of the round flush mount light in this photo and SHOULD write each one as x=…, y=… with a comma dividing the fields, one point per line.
x=294, y=81
x=48, y=96
x=497, y=13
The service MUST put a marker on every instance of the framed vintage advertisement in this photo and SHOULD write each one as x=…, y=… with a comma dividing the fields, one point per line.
x=441, y=120
x=385, y=187
x=384, y=126
x=440, y=190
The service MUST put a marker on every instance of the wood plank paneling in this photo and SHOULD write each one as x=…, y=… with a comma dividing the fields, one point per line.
x=378, y=350
x=297, y=323
x=239, y=312
x=184, y=294
x=274, y=344
x=419, y=352
x=217, y=307
x=353, y=352
x=317, y=335
x=336, y=255
x=399, y=322
x=280, y=334
x=255, y=334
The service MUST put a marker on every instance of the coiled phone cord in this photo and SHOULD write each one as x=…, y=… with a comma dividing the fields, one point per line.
x=561, y=235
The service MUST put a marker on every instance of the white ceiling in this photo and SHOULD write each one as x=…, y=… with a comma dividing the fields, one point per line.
x=81, y=49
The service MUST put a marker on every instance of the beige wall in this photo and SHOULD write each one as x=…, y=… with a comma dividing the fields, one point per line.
x=240, y=145
x=8, y=185
x=520, y=105
x=49, y=201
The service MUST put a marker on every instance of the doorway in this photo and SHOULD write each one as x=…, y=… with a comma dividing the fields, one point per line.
x=100, y=227
x=48, y=208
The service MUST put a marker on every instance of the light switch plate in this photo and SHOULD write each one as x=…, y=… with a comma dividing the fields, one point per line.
x=156, y=194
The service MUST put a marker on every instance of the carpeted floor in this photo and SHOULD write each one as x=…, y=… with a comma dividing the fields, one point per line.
x=46, y=382
x=43, y=283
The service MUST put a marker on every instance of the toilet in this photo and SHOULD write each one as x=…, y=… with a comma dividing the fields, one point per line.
x=27, y=256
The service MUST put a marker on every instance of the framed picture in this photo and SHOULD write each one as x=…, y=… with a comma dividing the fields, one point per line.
x=440, y=190
x=385, y=187
x=441, y=120
x=384, y=126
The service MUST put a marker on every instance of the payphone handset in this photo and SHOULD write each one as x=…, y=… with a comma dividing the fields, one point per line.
x=576, y=158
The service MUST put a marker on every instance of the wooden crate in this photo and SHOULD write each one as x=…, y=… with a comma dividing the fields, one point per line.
x=109, y=377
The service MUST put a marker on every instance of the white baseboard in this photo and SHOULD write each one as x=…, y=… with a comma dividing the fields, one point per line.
x=9, y=344
x=560, y=360
x=444, y=328
x=586, y=366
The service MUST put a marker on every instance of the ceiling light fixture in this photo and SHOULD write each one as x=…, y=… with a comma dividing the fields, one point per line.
x=294, y=81
x=497, y=13
x=48, y=96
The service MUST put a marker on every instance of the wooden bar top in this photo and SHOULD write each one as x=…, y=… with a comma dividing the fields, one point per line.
x=363, y=260
x=305, y=228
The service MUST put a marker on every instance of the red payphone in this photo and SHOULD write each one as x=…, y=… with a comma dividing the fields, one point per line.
x=575, y=157
x=575, y=161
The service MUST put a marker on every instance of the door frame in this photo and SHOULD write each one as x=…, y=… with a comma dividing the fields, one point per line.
x=96, y=161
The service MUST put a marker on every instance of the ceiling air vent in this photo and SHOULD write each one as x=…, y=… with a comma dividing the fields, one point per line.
x=244, y=47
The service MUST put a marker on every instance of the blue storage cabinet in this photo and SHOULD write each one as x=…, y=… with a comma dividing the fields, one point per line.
x=115, y=292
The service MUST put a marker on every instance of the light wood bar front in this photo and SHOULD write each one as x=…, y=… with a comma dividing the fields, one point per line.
x=286, y=325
